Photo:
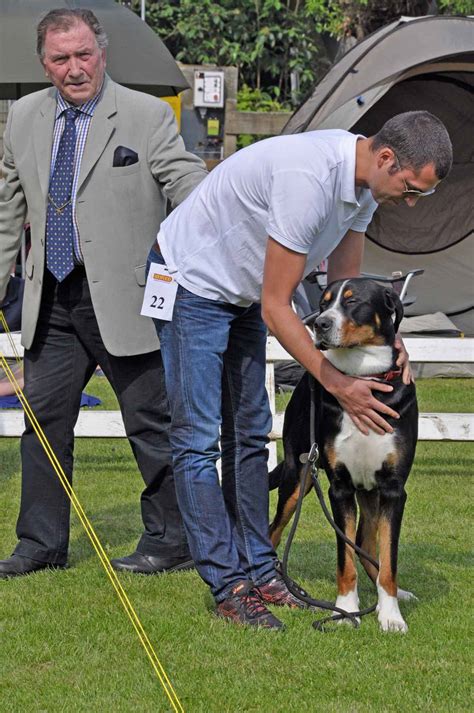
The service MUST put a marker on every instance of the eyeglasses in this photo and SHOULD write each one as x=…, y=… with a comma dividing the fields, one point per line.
x=413, y=191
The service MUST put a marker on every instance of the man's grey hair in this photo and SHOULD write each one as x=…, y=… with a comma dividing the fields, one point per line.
x=64, y=19
x=417, y=138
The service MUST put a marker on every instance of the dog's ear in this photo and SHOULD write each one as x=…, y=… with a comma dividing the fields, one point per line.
x=395, y=307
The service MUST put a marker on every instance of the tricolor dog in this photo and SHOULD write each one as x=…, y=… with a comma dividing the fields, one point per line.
x=356, y=329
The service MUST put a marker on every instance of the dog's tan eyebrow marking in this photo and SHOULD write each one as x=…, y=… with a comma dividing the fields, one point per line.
x=348, y=293
x=327, y=296
x=378, y=321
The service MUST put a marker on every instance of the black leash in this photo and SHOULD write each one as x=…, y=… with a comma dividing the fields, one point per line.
x=311, y=469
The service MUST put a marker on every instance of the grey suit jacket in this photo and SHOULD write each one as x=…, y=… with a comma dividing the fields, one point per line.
x=119, y=209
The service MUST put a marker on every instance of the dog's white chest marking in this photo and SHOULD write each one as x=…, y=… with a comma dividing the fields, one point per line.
x=362, y=360
x=362, y=455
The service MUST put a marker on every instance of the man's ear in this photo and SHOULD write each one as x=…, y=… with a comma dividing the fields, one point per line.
x=394, y=306
x=386, y=156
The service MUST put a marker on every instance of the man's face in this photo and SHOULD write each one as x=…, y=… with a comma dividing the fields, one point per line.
x=74, y=63
x=389, y=183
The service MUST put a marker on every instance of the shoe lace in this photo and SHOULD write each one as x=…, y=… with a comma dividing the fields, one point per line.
x=281, y=591
x=253, y=603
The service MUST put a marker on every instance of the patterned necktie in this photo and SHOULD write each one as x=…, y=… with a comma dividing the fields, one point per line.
x=59, y=227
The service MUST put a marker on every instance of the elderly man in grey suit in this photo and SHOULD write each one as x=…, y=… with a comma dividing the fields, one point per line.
x=92, y=164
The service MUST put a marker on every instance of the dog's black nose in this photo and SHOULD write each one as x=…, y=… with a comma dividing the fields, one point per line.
x=323, y=323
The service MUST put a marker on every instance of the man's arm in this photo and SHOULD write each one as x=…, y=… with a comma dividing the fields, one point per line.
x=346, y=259
x=283, y=271
x=177, y=170
x=12, y=210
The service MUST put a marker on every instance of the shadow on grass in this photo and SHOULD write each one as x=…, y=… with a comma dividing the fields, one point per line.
x=420, y=565
x=115, y=527
x=9, y=459
x=106, y=456
x=420, y=568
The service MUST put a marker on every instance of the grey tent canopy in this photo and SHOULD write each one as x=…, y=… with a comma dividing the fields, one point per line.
x=136, y=56
x=413, y=63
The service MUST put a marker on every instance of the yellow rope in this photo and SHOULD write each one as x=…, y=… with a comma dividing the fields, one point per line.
x=137, y=625
x=10, y=337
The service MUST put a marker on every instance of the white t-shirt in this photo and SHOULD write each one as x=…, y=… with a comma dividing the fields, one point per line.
x=299, y=189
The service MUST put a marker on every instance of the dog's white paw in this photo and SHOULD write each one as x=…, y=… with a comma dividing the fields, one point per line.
x=350, y=603
x=389, y=615
x=393, y=623
x=405, y=596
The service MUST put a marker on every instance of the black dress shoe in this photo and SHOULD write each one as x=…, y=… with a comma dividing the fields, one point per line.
x=17, y=565
x=147, y=564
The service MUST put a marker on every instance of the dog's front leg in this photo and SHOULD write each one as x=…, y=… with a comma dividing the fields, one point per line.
x=345, y=513
x=367, y=529
x=392, y=503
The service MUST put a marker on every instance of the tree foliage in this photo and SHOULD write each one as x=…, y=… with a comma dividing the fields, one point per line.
x=269, y=41
x=275, y=44
x=358, y=18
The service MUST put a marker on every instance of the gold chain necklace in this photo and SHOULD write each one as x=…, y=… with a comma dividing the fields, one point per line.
x=59, y=208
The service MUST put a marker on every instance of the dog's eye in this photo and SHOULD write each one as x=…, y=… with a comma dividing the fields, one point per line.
x=351, y=301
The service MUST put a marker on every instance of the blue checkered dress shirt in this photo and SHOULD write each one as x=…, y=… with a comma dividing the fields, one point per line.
x=83, y=121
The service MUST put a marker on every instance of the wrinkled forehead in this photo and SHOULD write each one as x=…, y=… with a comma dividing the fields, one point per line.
x=73, y=32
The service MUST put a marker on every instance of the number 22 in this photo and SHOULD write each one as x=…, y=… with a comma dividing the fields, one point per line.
x=157, y=302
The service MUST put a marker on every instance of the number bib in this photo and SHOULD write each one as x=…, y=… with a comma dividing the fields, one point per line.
x=160, y=293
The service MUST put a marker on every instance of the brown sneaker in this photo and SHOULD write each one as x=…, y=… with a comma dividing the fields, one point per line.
x=276, y=592
x=244, y=606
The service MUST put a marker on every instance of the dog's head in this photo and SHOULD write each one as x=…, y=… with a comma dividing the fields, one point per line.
x=357, y=312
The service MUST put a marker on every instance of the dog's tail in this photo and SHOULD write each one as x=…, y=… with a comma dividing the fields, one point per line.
x=274, y=478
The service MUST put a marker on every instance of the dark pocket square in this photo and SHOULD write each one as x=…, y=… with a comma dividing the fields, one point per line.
x=124, y=157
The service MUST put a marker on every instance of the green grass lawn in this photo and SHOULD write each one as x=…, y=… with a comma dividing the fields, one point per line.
x=66, y=645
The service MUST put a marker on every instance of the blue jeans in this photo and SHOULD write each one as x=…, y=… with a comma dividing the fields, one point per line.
x=214, y=358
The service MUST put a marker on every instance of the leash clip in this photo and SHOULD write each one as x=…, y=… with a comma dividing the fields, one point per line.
x=313, y=454
x=310, y=457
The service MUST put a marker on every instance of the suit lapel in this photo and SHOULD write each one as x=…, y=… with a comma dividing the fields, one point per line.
x=101, y=128
x=43, y=127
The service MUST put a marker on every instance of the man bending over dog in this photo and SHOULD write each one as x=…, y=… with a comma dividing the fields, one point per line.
x=237, y=247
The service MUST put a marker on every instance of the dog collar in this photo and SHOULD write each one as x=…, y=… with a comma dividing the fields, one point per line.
x=390, y=375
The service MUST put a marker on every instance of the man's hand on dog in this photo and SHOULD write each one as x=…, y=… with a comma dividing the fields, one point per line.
x=356, y=398
x=403, y=362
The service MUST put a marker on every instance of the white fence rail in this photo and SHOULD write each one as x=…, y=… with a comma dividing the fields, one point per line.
x=432, y=426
